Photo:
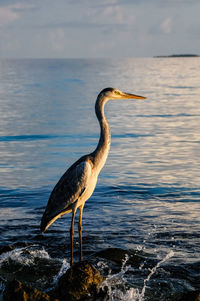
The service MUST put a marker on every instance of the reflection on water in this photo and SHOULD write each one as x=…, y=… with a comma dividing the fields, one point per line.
x=147, y=197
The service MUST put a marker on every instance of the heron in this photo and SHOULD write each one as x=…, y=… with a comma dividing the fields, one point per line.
x=77, y=184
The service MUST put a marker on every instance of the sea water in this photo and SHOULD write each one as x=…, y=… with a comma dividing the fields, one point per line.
x=147, y=201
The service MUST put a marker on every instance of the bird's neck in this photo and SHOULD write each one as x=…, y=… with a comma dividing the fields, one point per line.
x=101, y=152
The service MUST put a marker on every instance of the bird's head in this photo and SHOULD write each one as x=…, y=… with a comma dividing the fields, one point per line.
x=112, y=93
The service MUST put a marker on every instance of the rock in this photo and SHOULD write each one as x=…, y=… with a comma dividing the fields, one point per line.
x=17, y=291
x=191, y=296
x=118, y=255
x=8, y=248
x=81, y=282
x=29, y=266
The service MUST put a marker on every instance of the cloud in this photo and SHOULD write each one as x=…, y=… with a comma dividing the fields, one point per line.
x=166, y=26
x=58, y=40
x=133, y=2
x=11, y=13
x=111, y=15
x=159, y=2
x=7, y=16
x=22, y=6
x=78, y=28
x=100, y=18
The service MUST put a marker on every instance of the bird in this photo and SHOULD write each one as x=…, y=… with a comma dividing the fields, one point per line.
x=77, y=184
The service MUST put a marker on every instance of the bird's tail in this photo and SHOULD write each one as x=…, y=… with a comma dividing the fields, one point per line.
x=47, y=221
x=44, y=224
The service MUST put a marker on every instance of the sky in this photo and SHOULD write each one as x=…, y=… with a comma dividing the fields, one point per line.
x=98, y=28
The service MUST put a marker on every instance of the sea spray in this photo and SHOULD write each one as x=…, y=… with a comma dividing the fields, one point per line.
x=152, y=271
x=116, y=286
x=65, y=266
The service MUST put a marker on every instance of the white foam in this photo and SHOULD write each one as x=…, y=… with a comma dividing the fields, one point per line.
x=24, y=256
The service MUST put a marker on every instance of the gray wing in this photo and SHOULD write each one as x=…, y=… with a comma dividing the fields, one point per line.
x=67, y=191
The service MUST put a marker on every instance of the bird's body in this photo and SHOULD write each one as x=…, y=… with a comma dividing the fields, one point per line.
x=78, y=183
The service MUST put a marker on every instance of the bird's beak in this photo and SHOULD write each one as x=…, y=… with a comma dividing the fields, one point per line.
x=128, y=95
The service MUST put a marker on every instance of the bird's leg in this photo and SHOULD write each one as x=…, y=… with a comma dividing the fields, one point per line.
x=72, y=234
x=80, y=232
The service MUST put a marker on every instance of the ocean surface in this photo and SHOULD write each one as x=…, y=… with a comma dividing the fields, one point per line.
x=146, y=205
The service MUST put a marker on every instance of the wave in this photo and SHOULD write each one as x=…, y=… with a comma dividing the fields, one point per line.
x=26, y=138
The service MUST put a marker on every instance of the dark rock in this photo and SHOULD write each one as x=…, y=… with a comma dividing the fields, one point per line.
x=81, y=282
x=17, y=291
x=118, y=255
x=191, y=296
x=8, y=248
x=30, y=268
x=114, y=254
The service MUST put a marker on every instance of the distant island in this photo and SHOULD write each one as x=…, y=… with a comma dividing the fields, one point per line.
x=177, y=55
